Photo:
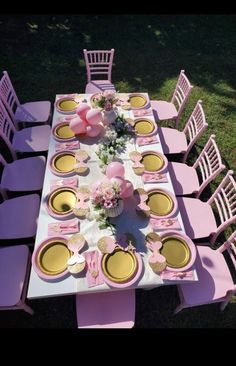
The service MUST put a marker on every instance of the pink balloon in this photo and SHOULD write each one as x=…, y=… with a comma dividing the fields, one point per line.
x=94, y=116
x=119, y=181
x=128, y=190
x=77, y=125
x=93, y=131
x=82, y=109
x=115, y=169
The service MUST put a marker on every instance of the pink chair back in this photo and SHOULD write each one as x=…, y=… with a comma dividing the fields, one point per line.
x=230, y=246
x=7, y=129
x=181, y=94
x=114, y=309
x=14, y=283
x=208, y=164
x=224, y=201
x=194, y=127
x=8, y=95
x=98, y=62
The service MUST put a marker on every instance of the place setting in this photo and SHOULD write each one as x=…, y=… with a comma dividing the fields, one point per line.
x=151, y=165
x=120, y=264
x=172, y=255
x=66, y=163
x=58, y=256
x=68, y=104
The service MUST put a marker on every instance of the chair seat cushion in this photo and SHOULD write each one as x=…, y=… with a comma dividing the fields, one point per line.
x=32, y=139
x=33, y=112
x=173, y=141
x=184, y=178
x=13, y=267
x=24, y=174
x=106, y=309
x=214, y=278
x=18, y=217
x=198, y=217
x=163, y=110
x=98, y=86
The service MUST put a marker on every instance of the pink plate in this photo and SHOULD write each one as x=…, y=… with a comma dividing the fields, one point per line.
x=159, y=154
x=58, y=128
x=166, y=193
x=127, y=283
x=54, y=158
x=190, y=244
x=66, y=105
x=37, y=258
x=50, y=198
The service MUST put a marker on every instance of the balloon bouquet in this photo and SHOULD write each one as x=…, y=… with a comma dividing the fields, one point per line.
x=89, y=121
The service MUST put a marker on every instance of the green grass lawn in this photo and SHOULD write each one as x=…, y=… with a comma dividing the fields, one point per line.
x=44, y=56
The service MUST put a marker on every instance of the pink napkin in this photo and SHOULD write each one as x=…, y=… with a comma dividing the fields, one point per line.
x=66, y=118
x=154, y=178
x=142, y=112
x=147, y=140
x=176, y=276
x=93, y=274
x=70, y=145
x=64, y=227
x=69, y=182
x=165, y=224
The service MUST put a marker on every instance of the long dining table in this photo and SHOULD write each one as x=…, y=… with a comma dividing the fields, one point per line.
x=129, y=221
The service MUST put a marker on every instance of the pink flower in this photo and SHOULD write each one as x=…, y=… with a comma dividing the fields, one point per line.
x=107, y=106
x=109, y=94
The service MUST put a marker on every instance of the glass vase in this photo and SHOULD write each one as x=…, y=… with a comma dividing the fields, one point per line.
x=109, y=117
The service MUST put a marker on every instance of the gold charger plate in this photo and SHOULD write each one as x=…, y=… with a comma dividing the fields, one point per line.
x=119, y=266
x=62, y=200
x=176, y=251
x=53, y=256
x=143, y=126
x=137, y=101
x=152, y=161
x=160, y=203
x=63, y=131
x=64, y=162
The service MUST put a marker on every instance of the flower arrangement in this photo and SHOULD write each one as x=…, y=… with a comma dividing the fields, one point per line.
x=105, y=100
x=117, y=134
x=106, y=195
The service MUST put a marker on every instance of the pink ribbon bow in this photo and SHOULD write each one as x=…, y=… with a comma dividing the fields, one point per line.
x=73, y=145
x=154, y=177
x=168, y=275
x=68, y=227
x=136, y=159
x=71, y=182
x=146, y=140
x=164, y=223
x=82, y=204
x=66, y=118
x=142, y=112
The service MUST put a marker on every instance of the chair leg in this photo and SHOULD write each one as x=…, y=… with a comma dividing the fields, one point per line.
x=26, y=308
x=178, y=309
x=223, y=305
